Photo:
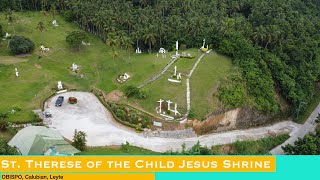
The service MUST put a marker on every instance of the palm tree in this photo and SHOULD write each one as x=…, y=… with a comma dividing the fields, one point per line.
x=10, y=17
x=113, y=42
x=41, y=28
x=150, y=38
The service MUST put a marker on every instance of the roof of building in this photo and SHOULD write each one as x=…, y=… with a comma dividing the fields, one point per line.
x=36, y=140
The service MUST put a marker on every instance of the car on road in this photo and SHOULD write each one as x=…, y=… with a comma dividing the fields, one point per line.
x=59, y=101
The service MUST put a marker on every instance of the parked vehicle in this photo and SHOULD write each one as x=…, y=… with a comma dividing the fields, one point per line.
x=47, y=114
x=59, y=101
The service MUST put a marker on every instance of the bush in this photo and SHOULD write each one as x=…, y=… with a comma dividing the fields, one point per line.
x=75, y=38
x=68, y=16
x=1, y=31
x=21, y=45
x=183, y=47
x=132, y=91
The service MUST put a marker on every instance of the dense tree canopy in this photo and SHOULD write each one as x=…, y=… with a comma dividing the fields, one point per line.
x=275, y=43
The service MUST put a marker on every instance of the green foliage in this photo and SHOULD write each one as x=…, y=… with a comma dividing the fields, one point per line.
x=197, y=149
x=21, y=45
x=132, y=91
x=232, y=93
x=259, y=147
x=5, y=149
x=308, y=145
x=79, y=140
x=1, y=31
x=132, y=117
x=3, y=121
x=68, y=15
x=75, y=38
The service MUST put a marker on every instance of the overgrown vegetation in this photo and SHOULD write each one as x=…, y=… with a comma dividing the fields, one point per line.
x=308, y=145
x=123, y=149
x=5, y=149
x=79, y=140
x=75, y=39
x=21, y=45
x=132, y=91
x=233, y=92
x=131, y=115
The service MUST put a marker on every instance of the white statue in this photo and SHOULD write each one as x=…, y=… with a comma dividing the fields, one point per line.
x=74, y=67
x=7, y=35
x=54, y=23
x=85, y=44
x=203, y=48
x=60, y=87
x=179, y=76
x=17, y=72
x=162, y=51
x=44, y=49
x=138, y=51
x=177, y=48
x=126, y=76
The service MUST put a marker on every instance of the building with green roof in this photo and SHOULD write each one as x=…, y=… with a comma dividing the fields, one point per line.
x=40, y=140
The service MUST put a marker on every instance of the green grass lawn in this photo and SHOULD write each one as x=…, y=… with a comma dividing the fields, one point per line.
x=205, y=81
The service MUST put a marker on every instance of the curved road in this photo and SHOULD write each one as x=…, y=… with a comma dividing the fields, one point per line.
x=306, y=128
x=90, y=116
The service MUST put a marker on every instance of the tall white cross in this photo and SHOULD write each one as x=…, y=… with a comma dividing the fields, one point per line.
x=175, y=109
x=169, y=103
x=160, y=101
x=175, y=70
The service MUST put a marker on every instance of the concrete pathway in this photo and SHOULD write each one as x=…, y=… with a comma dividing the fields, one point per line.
x=307, y=127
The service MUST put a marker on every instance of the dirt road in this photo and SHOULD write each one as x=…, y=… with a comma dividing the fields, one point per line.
x=90, y=116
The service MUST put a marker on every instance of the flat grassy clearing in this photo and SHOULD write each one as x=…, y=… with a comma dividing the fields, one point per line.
x=204, y=83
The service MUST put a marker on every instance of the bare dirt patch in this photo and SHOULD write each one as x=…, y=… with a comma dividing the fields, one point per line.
x=11, y=60
x=114, y=96
x=38, y=66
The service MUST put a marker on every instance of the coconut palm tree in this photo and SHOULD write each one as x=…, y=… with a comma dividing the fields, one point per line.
x=11, y=19
x=41, y=28
x=150, y=39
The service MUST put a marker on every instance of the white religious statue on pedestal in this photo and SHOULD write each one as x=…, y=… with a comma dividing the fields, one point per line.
x=60, y=87
x=44, y=49
x=74, y=67
x=138, y=50
x=203, y=48
x=17, y=72
x=6, y=36
x=54, y=23
x=176, y=78
x=177, y=48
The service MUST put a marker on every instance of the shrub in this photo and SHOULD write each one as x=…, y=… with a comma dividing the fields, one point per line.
x=68, y=15
x=132, y=91
x=183, y=47
x=21, y=45
x=1, y=31
x=75, y=38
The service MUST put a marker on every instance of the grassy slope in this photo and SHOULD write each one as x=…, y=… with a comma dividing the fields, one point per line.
x=204, y=83
x=35, y=84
